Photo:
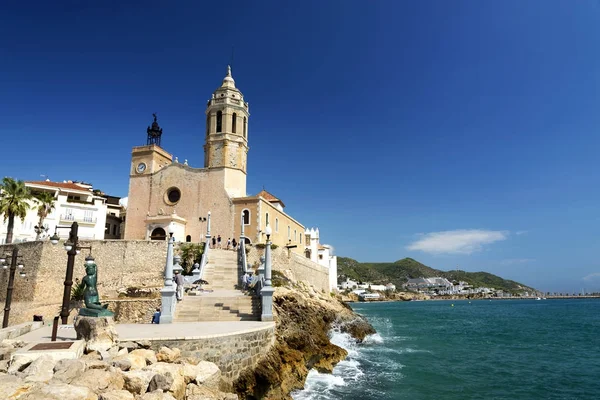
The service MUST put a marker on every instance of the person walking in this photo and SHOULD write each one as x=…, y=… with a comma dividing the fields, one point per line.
x=228, y=243
x=245, y=281
x=234, y=244
x=214, y=243
x=219, y=242
x=179, y=281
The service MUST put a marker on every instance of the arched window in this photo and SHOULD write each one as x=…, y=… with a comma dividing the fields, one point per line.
x=307, y=253
x=188, y=238
x=266, y=219
x=295, y=235
x=233, y=122
x=300, y=238
x=219, y=121
x=289, y=232
x=245, y=127
x=208, y=125
x=158, y=234
x=246, y=217
x=276, y=224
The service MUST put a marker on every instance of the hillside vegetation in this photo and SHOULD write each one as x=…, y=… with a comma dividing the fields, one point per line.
x=400, y=271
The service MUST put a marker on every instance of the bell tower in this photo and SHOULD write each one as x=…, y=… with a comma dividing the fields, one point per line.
x=226, y=144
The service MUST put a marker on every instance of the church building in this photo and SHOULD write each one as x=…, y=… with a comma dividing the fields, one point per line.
x=163, y=190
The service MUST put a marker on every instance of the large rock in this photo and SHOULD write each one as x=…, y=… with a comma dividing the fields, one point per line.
x=60, y=391
x=98, y=332
x=176, y=370
x=116, y=395
x=158, y=395
x=161, y=382
x=67, y=370
x=195, y=392
x=130, y=346
x=135, y=360
x=6, y=351
x=166, y=354
x=41, y=369
x=101, y=381
x=137, y=381
x=11, y=387
x=204, y=373
x=123, y=365
x=19, y=363
x=149, y=355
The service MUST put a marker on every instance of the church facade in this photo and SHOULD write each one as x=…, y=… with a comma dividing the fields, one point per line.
x=163, y=190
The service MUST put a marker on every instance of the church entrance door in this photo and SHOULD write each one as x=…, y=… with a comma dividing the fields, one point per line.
x=158, y=234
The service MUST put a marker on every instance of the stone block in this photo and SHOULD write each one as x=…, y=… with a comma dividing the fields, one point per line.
x=99, y=333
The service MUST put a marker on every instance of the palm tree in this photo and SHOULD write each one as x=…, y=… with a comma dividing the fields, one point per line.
x=13, y=203
x=45, y=202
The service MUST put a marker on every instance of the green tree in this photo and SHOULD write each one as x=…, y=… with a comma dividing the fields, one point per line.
x=45, y=202
x=190, y=253
x=13, y=203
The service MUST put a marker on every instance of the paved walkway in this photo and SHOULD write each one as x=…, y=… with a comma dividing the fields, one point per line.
x=177, y=331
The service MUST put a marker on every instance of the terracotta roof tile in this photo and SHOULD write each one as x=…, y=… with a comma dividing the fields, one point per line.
x=269, y=197
x=61, y=185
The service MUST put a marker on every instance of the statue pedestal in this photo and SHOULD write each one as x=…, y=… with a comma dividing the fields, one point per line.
x=267, y=303
x=168, y=303
x=99, y=333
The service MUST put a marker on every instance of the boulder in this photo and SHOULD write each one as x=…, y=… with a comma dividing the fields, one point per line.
x=166, y=354
x=41, y=369
x=11, y=387
x=92, y=355
x=60, y=391
x=96, y=364
x=6, y=351
x=195, y=392
x=123, y=365
x=162, y=382
x=135, y=360
x=67, y=370
x=205, y=373
x=158, y=395
x=100, y=381
x=144, y=344
x=98, y=332
x=149, y=355
x=116, y=395
x=176, y=370
x=137, y=381
x=130, y=346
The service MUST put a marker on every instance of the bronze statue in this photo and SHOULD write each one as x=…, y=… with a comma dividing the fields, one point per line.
x=93, y=308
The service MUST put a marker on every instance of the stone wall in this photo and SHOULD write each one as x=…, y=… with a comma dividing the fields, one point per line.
x=294, y=266
x=232, y=353
x=133, y=311
x=121, y=264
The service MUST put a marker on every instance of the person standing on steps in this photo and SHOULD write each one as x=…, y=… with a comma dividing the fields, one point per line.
x=228, y=243
x=234, y=244
x=178, y=278
x=218, y=241
x=214, y=243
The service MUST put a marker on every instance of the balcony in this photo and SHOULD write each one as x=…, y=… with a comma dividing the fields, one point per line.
x=80, y=220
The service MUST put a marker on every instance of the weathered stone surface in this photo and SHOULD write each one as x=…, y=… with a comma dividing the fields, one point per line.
x=11, y=387
x=67, y=370
x=92, y=355
x=19, y=363
x=195, y=392
x=100, y=381
x=144, y=344
x=204, y=373
x=98, y=332
x=130, y=346
x=158, y=395
x=6, y=351
x=176, y=370
x=166, y=354
x=116, y=395
x=135, y=360
x=161, y=382
x=149, y=355
x=4, y=366
x=137, y=381
x=96, y=364
x=123, y=365
x=60, y=391
x=122, y=352
x=41, y=369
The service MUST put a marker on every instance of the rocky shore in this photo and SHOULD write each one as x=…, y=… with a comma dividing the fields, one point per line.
x=304, y=319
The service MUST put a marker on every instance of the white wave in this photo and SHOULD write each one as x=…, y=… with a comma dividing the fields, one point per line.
x=373, y=339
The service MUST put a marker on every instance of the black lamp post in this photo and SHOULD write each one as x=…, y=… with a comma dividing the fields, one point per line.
x=14, y=264
x=72, y=247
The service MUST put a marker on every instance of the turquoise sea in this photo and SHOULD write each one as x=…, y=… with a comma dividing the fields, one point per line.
x=482, y=349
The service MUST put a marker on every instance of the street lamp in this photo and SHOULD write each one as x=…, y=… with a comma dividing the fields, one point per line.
x=14, y=265
x=72, y=248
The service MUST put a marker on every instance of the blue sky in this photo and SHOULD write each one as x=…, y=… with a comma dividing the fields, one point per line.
x=459, y=133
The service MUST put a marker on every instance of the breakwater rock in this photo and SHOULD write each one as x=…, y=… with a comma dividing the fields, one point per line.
x=304, y=319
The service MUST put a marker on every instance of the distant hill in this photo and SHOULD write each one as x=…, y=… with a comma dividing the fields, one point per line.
x=400, y=271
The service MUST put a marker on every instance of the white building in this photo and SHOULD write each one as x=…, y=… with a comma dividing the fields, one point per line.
x=379, y=288
x=321, y=254
x=74, y=202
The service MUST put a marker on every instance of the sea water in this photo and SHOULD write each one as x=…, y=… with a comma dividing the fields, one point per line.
x=479, y=349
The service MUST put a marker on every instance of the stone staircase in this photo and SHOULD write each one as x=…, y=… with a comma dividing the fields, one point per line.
x=226, y=302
